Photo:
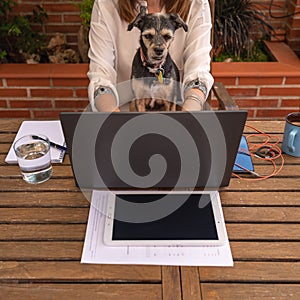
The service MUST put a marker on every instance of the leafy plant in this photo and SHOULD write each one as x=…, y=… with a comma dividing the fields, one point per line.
x=237, y=23
x=86, y=7
x=18, y=38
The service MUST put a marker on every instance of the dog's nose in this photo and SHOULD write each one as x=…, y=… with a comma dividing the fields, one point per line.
x=158, y=51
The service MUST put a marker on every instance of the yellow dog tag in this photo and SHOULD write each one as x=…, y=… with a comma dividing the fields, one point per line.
x=160, y=76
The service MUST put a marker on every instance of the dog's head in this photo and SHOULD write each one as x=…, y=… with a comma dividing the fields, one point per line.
x=157, y=33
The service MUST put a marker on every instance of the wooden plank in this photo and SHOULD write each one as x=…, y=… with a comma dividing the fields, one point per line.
x=287, y=171
x=265, y=272
x=42, y=232
x=7, y=137
x=4, y=148
x=65, y=170
x=272, y=184
x=270, y=198
x=76, y=232
x=44, y=199
x=171, y=289
x=64, y=271
x=264, y=232
x=266, y=126
x=79, y=215
x=213, y=291
x=80, y=291
x=10, y=125
x=190, y=283
x=12, y=184
x=261, y=214
x=41, y=250
x=44, y=215
x=265, y=251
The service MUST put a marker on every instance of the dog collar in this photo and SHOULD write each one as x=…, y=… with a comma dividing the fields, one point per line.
x=155, y=69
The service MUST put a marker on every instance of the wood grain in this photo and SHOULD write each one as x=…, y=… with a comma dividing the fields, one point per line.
x=250, y=291
x=80, y=291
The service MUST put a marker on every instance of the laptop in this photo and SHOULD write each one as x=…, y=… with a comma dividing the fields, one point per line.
x=149, y=166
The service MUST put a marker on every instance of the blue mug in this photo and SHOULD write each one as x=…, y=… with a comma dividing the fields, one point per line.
x=291, y=136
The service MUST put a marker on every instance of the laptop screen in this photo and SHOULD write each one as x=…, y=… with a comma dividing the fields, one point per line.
x=153, y=150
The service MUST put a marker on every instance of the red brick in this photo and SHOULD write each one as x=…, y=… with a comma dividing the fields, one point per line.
x=282, y=91
x=250, y=113
x=70, y=82
x=62, y=28
x=267, y=113
x=3, y=103
x=7, y=113
x=30, y=104
x=54, y=18
x=61, y=7
x=257, y=102
x=294, y=33
x=226, y=80
x=72, y=19
x=49, y=93
x=13, y=92
x=293, y=80
x=71, y=103
x=290, y=103
x=80, y=93
x=28, y=82
x=242, y=91
x=260, y=80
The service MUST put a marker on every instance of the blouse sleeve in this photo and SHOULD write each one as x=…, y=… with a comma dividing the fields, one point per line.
x=102, y=70
x=196, y=54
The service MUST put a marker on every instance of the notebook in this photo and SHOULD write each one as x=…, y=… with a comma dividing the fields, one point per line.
x=51, y=129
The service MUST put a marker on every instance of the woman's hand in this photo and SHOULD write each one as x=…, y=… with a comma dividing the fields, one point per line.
x=106, y=103
x=194, y=100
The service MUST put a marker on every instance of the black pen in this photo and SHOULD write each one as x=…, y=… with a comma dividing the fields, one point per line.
x=52, y=144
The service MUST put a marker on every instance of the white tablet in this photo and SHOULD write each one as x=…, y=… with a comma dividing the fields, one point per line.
x=164, y=219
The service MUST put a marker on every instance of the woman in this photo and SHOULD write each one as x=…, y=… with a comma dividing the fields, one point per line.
x=112, y=49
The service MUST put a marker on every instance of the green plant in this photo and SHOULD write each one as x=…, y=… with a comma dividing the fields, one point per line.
x=86, y=7
x=258, y=54
x=237, y=23
x=18, y=38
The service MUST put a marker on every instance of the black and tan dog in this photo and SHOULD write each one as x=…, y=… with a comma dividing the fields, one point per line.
x=154, y=75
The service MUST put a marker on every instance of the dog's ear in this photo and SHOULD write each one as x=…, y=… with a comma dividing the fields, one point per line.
x=137, y=22
x=178, y=22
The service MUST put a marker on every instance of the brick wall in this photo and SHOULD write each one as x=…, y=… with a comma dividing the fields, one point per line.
x=64, y=18
x=293, y=25
x=267, y=90
x=42, y=91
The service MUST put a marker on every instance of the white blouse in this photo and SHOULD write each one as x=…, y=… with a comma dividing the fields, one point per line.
x=112, y=47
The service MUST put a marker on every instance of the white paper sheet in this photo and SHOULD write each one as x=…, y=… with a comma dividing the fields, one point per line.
x=96, y=252
x=51, y=129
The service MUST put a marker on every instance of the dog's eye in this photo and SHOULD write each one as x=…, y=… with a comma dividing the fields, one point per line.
x=148, y=36
x=167, y=37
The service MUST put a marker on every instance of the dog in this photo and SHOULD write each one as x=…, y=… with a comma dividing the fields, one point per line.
x=154, y=75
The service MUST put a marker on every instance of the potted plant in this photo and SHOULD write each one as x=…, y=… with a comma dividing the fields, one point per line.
x=238, y=26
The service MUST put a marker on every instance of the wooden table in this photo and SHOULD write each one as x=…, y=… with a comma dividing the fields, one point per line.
x=42, y=231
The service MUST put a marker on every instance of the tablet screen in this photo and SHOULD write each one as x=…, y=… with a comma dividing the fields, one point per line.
x=194, y=220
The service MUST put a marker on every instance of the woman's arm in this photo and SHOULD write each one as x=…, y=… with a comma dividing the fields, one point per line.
x=102, y=73
x=196, y=56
